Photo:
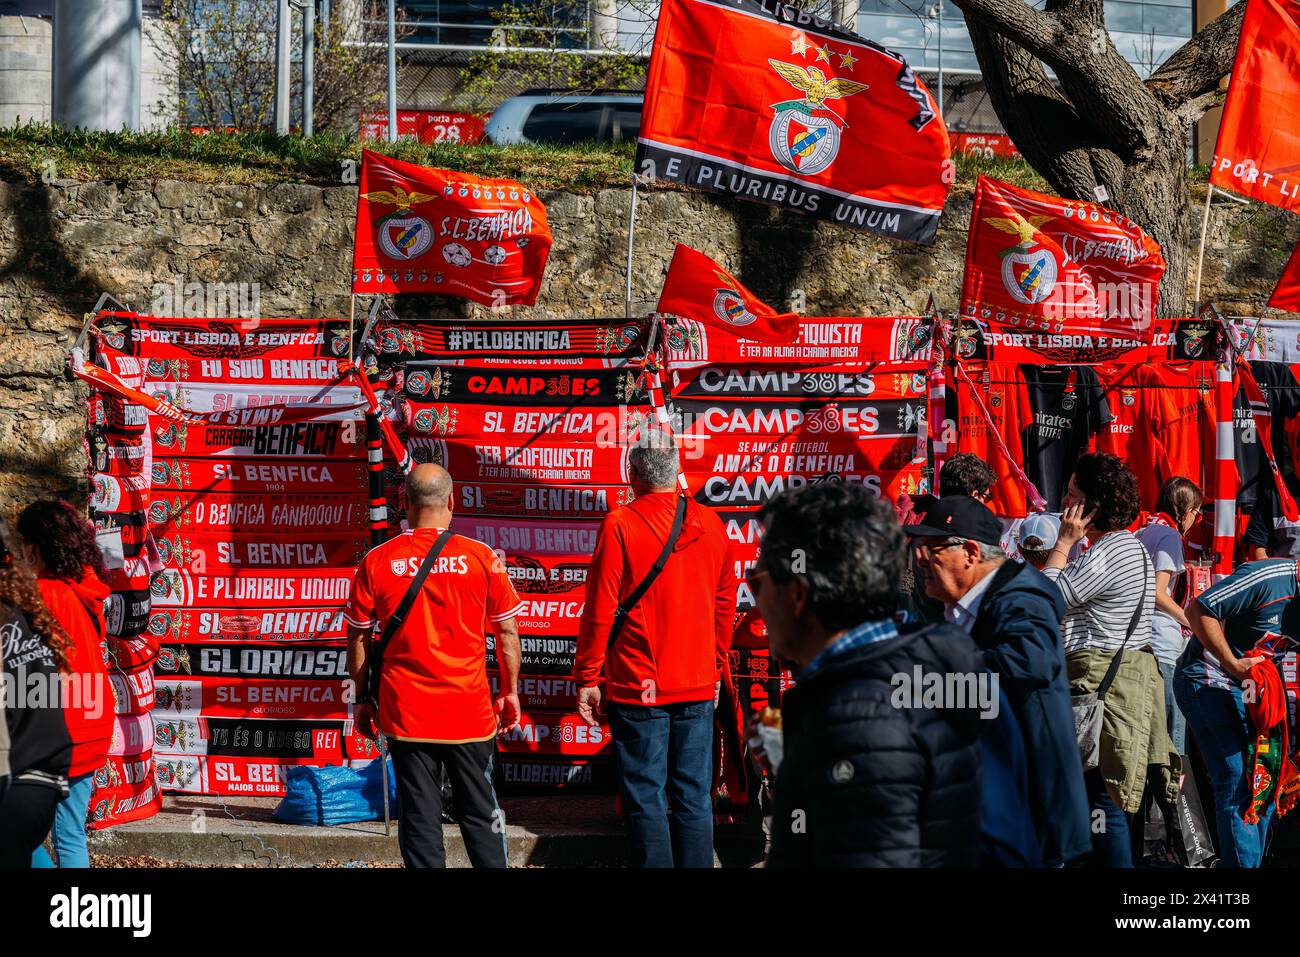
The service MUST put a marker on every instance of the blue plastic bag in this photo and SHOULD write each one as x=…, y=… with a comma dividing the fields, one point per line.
x=336, y=795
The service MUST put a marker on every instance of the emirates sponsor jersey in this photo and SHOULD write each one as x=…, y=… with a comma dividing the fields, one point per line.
x=1188, y=435
x=1001, y=389
x=1069, y=411
x=434, y=685
x=1282, y=391
x=1141, y=411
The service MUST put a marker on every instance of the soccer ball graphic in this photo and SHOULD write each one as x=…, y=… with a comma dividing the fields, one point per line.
x=456, y=255
x=495, y=255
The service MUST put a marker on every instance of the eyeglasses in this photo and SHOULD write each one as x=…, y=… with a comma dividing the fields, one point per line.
x=753, y=575
x=929, y=550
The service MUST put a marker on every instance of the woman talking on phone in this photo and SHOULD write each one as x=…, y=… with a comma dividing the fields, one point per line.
x=1109, y=588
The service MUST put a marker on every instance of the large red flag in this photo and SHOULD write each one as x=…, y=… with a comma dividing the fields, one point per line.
x=1286, y=295
x=1040, y=268
x=1258, y=152
x=698, y=288
x=433, y=230
x=765, y=102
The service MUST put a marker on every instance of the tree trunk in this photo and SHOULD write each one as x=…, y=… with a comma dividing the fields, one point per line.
x=1097, y=123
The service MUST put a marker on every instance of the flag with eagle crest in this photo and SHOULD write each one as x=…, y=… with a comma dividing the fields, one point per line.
x=698, y=288
x=769, y=103
x=1045, y=273
x=456, y=234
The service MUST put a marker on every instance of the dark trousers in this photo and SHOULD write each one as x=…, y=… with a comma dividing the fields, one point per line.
x=26, y=815
x=665, y=760
x=419, y=770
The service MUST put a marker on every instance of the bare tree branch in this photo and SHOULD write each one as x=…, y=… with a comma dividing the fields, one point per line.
x=1039, y=32
x=1044, y=125
x=1196, y=67
x=1195, y=108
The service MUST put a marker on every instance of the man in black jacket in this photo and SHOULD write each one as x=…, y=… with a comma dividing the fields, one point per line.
x=869, y=778
x=1013, y=612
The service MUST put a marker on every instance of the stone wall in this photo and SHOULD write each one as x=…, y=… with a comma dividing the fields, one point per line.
x=62, y=245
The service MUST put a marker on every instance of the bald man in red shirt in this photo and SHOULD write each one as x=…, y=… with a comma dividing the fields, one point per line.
x=435, y=704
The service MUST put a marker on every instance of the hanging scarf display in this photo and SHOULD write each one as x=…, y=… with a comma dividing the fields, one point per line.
x=282, y=623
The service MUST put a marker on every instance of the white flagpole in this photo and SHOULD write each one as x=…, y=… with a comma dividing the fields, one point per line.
x=631, y=240
x=1200, y=256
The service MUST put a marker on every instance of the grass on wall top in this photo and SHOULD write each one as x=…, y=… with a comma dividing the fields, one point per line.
x=35, y=153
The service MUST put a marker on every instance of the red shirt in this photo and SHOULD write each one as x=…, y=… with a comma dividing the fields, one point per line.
x=1003, y=392
x=434, y=685
x=1142, y=410
x=674, y=643
x=1188, y=437
x=79, y=608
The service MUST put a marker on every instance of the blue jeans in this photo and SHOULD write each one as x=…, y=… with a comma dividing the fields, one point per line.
x=665, y=760
x=1174, y=714
x=1217, y=718
x=70, y=827
x=1111, y=842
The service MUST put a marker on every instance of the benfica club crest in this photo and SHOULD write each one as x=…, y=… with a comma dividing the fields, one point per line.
x=1193, y=340
x=402, y=234
x=114, y=333
x=805, y=135
x=730, y=308
x=616, y=338
x=682, y=338
x=396, y=340
x=1029, y=270
x=405, y=237
x=432, y=420
x=174, y=660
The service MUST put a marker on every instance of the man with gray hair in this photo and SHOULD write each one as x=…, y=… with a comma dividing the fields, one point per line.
x=658, y=617
x=1014, y=612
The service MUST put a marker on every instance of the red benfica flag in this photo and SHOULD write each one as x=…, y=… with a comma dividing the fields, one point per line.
x=1258, y=152
x=1287, y=294
x=1051, y=266
x=762, y=101
x=698, y=288
x=432, y=230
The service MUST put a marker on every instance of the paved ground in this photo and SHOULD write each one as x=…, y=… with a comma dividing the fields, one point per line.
x=552, y=831
x=569, y=830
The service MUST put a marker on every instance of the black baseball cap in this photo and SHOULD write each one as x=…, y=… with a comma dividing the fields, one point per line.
x=959, y=516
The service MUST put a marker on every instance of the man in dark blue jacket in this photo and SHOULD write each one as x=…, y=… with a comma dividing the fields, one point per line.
x=877, y=771
x=1013, y=612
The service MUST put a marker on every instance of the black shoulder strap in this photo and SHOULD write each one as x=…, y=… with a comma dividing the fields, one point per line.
x=620, y=614
x=399, y=616
x=1132, y=627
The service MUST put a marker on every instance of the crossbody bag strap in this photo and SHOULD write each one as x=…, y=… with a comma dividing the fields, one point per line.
x=625, y=606
x=1132, y=627
x=399, y=616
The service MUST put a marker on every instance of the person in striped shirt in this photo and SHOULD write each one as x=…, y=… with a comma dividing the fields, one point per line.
x=1109, y=591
